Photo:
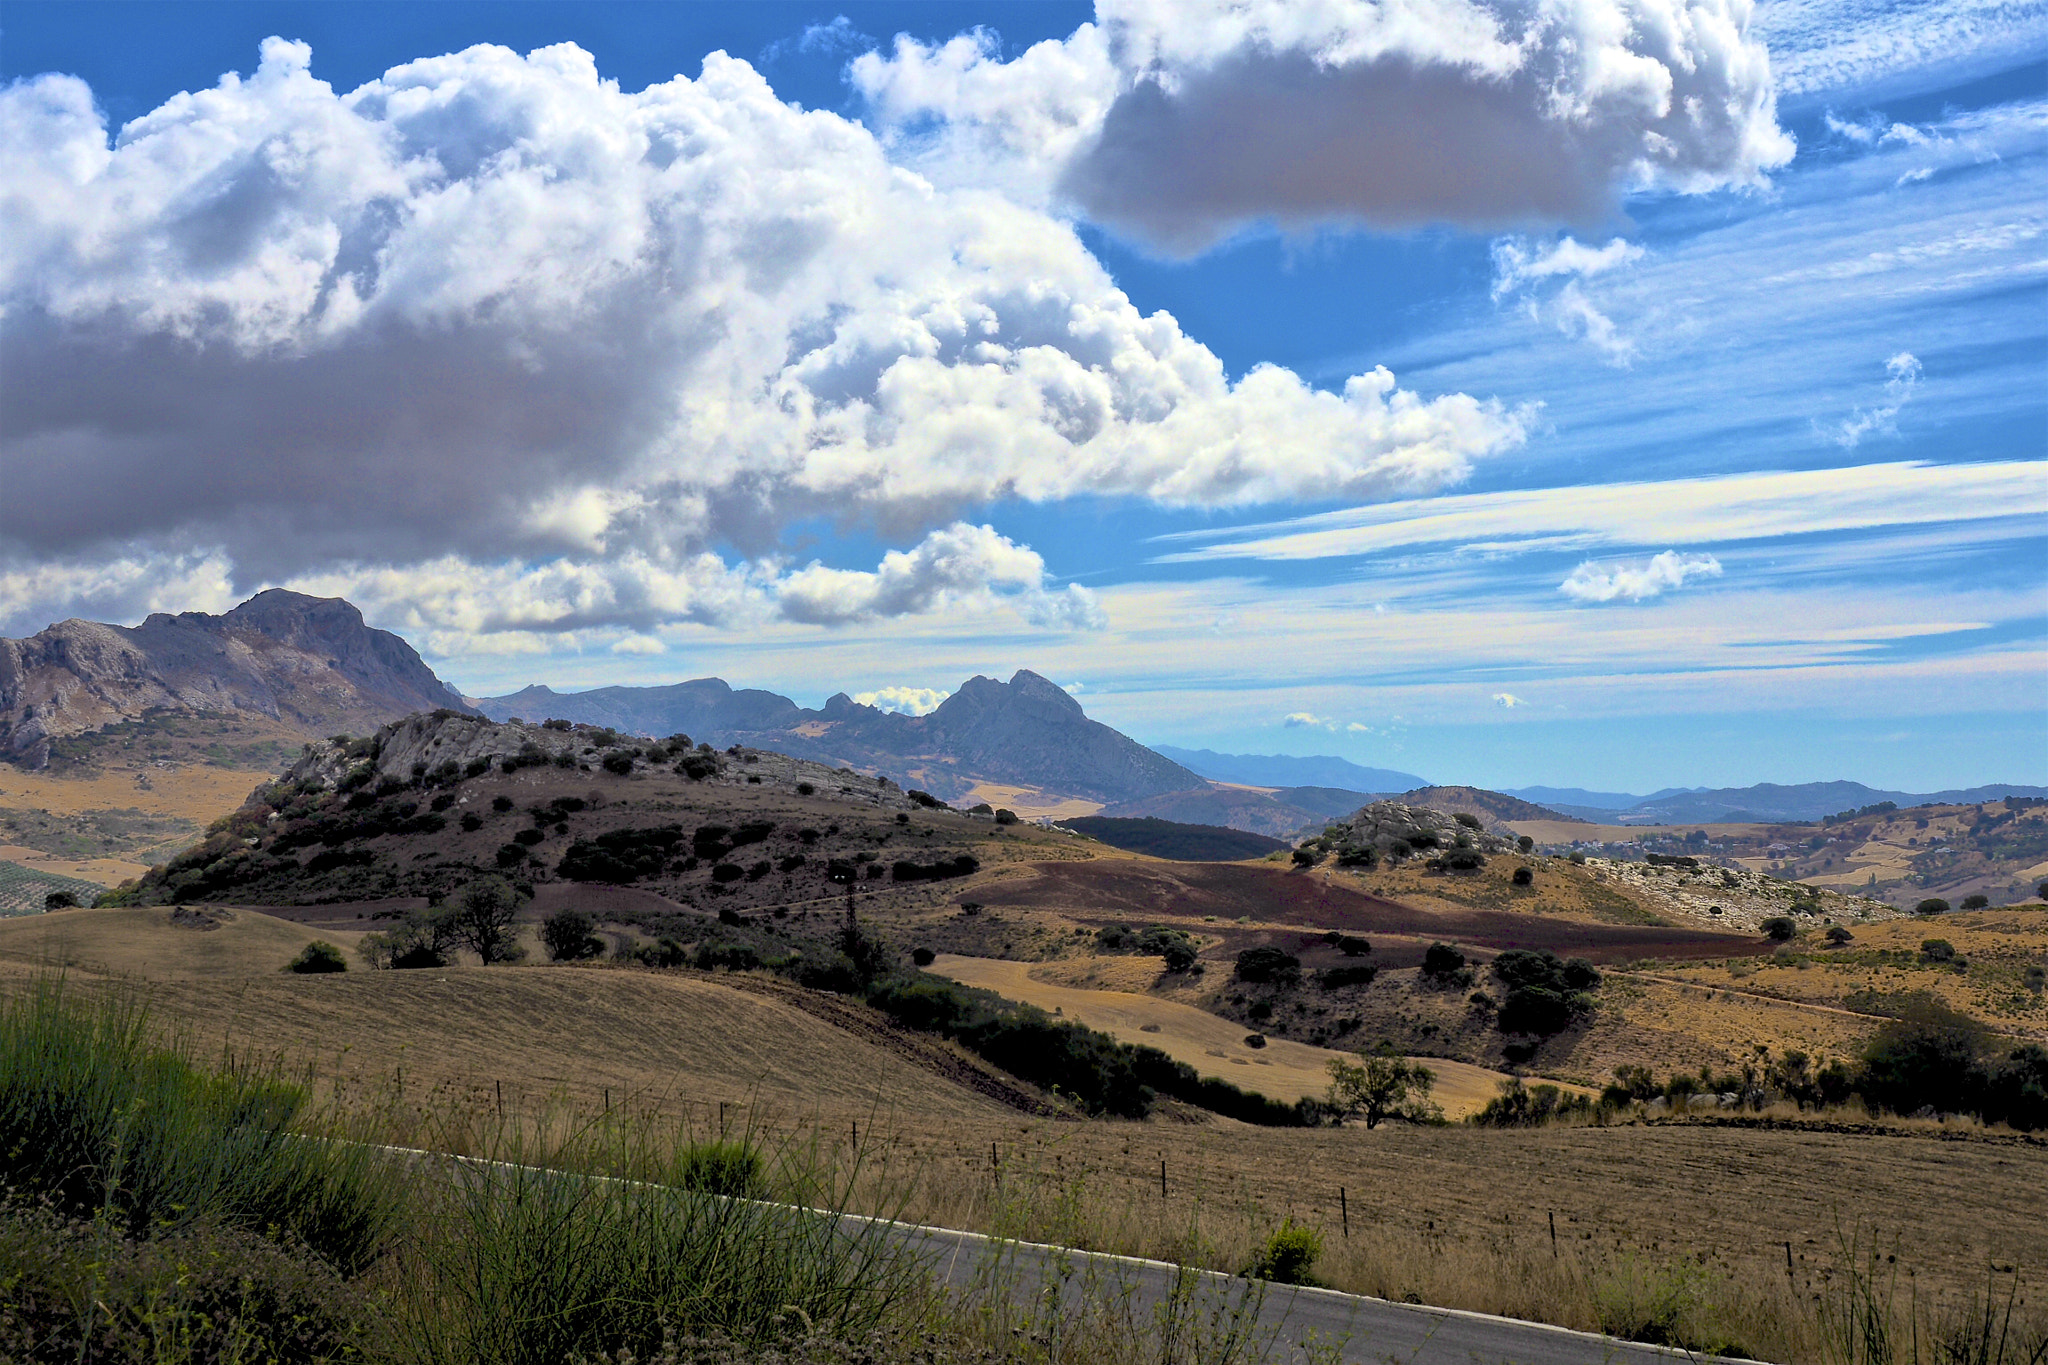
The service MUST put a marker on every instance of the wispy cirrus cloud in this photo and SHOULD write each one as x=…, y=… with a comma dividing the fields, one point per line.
x=1902, y=376
x=1722, y=508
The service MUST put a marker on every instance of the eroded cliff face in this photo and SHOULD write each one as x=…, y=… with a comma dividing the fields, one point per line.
x=308, y=662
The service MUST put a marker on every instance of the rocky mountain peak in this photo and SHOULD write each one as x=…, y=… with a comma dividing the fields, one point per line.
x=308, y=662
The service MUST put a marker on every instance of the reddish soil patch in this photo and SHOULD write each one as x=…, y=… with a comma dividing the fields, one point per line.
x=1130, y=892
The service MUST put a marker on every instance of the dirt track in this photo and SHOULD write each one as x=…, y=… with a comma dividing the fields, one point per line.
x=1120, y=890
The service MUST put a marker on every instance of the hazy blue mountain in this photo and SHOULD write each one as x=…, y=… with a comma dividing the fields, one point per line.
x=1027, y=732
x=1805, y=801
x=1557, y=798
x=1288, y=770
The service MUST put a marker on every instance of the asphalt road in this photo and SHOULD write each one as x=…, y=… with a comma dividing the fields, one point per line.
x=1054, y=1289
x=1049, y=1291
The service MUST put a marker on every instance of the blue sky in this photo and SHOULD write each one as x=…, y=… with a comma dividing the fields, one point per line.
x=1656, y=399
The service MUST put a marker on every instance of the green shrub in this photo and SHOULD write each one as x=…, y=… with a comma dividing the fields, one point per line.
x=101, y=1123
x=1780, y=928
x=1289, y=1255
x=1837, y=935
x=1524, y=876
x=1520, y=1106
x=1933, y=905
x=733, y=957
x=1937, y=950
x=1461, y=860
x=1976, y=901
x=731, y=1169
x=202, y=1293
x=59, y=900
x=317, y=957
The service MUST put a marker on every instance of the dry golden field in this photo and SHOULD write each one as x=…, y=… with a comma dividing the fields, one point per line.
x=1455, y=1215
x=1113, y=1001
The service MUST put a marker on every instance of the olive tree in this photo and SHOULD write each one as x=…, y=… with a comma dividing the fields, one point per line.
x=481, y=916
x=1380, y=1086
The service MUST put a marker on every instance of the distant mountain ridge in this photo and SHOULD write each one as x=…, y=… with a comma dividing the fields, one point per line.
x=1027, y=732
x=1289, y=770
x=309, y=662
x=1763, y=802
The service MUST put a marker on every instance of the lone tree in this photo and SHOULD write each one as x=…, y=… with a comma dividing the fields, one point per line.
x=481, y=918
x=59, y=900
x=1780, y=928
x=1381, y=1086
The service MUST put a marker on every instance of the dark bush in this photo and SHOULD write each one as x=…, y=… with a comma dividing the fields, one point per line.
x=758, y=870
x=511, y=855
x=1524, y=876
x=318, y=957
x=906, y=871
x=1937, y=950
x=621, y=856
x=528, y=837
x=698, y=766
x=1268, y=964
x=1255, y=1040
x=1352, y=946
x=1461, y=860
x=1837, y=935
x=501, y=804
x=733, y=957
x=60, y=900
x=1334, y=978
x=726, y=873
x=926, y=799
x=1306, y=856
x=1780, y=928
x=1522, y=967
x=1468, y=820
x=922, y=957
x=1976, y=901
x=1926, y=1058
x=1933, y=905
x=1005, y=816
x=1537, y=1010
x=805, y=789
x=620, y=763
x=1525, y=844
x=570, y=936
x=1441, y=961
x=664, y=952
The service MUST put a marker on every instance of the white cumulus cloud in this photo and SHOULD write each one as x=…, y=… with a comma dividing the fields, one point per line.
x=1181, y=120
x=493, y=310
x=1637, y=580
x=907, y=701
x=1507, y=701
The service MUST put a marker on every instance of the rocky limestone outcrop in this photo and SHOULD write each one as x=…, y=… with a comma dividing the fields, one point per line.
x=309, y=662
x=1394, y=829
